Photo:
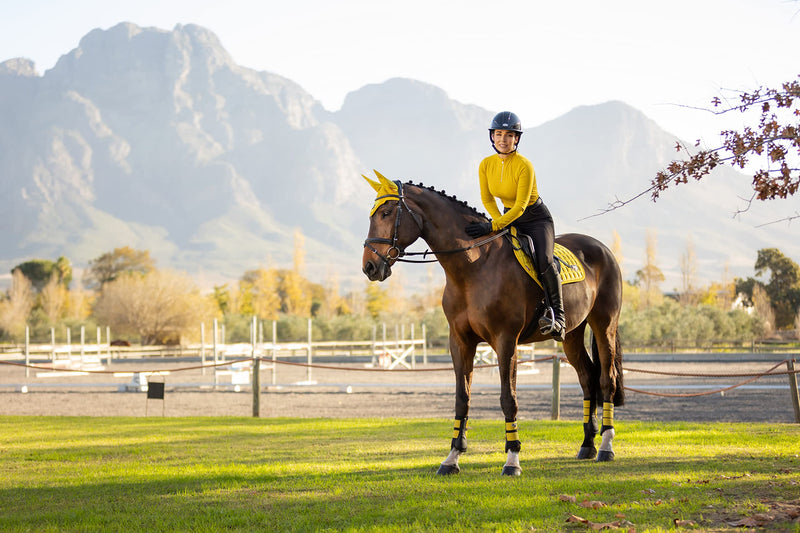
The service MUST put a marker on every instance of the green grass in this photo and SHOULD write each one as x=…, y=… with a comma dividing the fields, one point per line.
x=245, y=474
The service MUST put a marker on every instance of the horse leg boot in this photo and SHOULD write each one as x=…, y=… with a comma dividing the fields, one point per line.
x=552, y=323
x=607, y=433
x=458, y=445
x=588, y=450
x=513, y=446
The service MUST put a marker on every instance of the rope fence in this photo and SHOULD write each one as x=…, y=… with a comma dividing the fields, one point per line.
x=557, y=361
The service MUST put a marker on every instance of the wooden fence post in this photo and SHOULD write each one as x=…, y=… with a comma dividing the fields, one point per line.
x=793, y=389
x=27, y=351
x=555, y=412
x=257, y=387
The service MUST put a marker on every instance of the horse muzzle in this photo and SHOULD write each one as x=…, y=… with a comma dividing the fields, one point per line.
x=376, y=270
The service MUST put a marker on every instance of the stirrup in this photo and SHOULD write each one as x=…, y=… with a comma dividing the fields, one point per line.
x=551, y=327
x=550, y=318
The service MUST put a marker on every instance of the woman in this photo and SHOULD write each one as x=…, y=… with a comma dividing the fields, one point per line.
x=510, y=177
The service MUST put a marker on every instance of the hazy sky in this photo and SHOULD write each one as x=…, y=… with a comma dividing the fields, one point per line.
x=539, y=59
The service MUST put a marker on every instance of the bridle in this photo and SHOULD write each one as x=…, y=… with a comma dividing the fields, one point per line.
x=399, y=250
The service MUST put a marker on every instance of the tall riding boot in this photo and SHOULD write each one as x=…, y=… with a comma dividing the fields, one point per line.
x=552, y=322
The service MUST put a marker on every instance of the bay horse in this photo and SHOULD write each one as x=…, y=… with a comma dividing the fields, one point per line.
x=489, y=298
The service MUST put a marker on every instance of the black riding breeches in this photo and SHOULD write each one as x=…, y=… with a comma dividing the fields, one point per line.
x=537, y=222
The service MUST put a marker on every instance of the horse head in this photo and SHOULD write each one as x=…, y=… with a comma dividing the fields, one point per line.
x=393, y=226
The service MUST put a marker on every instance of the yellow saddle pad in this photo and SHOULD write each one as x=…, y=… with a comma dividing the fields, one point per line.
x=571, y=269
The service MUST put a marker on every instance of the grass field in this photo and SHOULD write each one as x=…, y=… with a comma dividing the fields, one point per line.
x=245, y=474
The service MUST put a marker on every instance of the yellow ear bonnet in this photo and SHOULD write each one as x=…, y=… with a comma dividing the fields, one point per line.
x=386, y=189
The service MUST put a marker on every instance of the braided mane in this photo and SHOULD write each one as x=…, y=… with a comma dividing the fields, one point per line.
x=452, y=198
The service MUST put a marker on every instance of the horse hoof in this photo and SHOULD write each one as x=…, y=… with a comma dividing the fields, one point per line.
x=604, y=456
x=446, y=470
x=587, y=453
x=512, y=471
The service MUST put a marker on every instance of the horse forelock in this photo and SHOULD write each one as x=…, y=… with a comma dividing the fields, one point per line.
x=461, y=205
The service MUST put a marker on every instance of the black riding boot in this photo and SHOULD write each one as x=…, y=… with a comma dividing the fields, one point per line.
x=553, y=320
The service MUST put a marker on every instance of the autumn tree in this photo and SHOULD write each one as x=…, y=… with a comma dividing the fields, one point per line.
x=15, y=308
x=262, y=287
x=53, y=299
x=616, y=249
x=111, y=265
x=377, y=299
x=161, y=307
x=649, y=277
x=294, y=288
x=688, y=268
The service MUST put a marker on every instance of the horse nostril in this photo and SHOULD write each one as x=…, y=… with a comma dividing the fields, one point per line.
x=368, y=268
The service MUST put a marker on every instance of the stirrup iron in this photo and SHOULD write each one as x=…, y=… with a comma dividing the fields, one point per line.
x=547, y=322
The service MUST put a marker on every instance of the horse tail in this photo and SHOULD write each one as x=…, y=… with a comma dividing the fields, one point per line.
x=619, y=391
x=619, y=395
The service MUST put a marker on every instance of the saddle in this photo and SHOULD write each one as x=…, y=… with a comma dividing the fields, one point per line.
x=566, y=263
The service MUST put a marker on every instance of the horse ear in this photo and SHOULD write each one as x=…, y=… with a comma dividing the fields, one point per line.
x=375, y=185
x=390, y=185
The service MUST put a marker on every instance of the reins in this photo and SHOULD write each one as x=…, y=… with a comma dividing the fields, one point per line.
x=454, y=251
x=400, y=252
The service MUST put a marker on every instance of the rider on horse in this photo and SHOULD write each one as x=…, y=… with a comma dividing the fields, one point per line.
x=510, y=177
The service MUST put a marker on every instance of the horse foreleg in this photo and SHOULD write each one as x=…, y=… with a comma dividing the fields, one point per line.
x=463, y=355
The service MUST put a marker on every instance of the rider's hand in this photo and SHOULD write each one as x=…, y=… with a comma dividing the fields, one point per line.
x=476, y=229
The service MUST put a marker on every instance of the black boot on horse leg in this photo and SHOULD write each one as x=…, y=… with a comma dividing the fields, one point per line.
x=513, y=446
x=457, y=446
x=552, y=323
x=588, y=449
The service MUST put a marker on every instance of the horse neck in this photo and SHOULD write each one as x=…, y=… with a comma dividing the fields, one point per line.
x=444, y=230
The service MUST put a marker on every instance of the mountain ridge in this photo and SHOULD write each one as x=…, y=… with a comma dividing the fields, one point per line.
x=158, y=140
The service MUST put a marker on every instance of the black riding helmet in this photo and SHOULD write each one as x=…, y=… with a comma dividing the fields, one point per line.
x=505, y=120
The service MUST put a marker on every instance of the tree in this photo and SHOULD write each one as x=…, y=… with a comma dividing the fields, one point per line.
x=295, y=290
x=688, y=294
x=111, y=265
x=772, y=138
x=40, y=271
x=262, y=284
x=377, y=299
x=783, y=287
x=763, y=309
x=616, y=249
x=160, y=307
x=15, y=309
x=53, y=300
x=649, y=277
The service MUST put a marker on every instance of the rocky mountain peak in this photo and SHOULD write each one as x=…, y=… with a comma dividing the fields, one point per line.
x=19, y=66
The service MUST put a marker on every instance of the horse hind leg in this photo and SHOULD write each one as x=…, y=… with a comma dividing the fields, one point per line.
x=589, y=378
x=608, y=351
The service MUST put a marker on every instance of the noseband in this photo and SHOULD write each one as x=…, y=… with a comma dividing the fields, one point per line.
x=399, y=251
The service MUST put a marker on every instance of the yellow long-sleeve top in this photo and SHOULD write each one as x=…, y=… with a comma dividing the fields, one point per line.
x=513, y=181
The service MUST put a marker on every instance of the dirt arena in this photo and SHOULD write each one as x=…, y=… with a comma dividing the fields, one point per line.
x=352, y=390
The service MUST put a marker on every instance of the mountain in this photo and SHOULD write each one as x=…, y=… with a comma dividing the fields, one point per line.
x=158, y=140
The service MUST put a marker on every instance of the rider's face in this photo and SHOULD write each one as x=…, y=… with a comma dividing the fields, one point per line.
x=504, y=140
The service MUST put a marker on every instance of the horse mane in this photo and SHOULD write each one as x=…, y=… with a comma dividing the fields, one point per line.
x=462, y=203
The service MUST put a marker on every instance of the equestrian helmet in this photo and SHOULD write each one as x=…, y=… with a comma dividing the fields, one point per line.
x=506, y=120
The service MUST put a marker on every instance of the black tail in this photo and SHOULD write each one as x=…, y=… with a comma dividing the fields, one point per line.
x=619, y=394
